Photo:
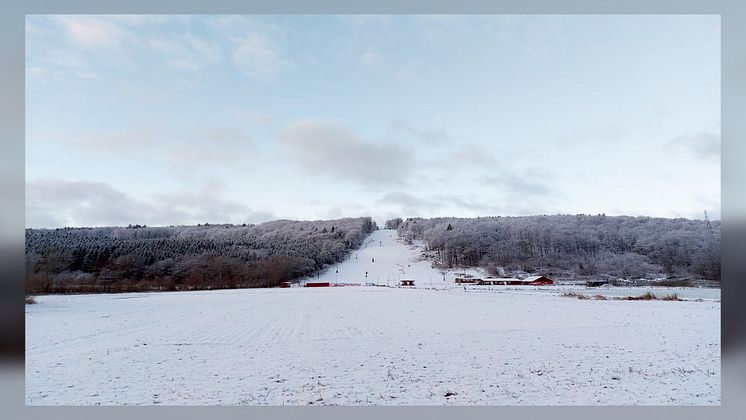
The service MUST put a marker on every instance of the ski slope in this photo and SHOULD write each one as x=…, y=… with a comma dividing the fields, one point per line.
x=383, y=259
x=370, y=345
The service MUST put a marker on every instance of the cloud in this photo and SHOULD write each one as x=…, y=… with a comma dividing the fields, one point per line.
x=468, y=154
x=256, y=45
x=408, y=72
x=99, y=31
x=185, y=150
x=92, y=32
x=57, y=203
x=35, y=72
x=519, y=185
x=57, y=66
x=188, y=53
x=599, y=136
x=259, y=57
x=459, y=158
x=114, y=142
x=704, y=145
x=404, y=204
x=214, y=147
x=479, y=205
x=401, y=129
x=141, y=19
x=408, y=204
x=208, y=204
x=83, y=46
x=238, y=25
x=329, y=149
x=372, y=60
x=132, y=43
x=334, y=213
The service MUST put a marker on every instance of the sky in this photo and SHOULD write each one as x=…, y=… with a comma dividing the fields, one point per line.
x=186, y=119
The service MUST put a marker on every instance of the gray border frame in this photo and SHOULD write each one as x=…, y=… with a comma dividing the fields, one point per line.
x=733, y=198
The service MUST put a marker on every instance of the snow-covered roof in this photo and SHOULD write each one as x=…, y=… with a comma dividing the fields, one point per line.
x=512, y=280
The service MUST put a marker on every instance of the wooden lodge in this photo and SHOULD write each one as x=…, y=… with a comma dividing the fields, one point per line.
x=538, y=280
x=507, y=282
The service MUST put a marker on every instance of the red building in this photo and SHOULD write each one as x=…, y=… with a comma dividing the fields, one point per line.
x=318, y=284
x=532, y=281
x=538, y=280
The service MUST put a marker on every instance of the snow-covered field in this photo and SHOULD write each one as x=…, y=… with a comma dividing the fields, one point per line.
x=371, y=345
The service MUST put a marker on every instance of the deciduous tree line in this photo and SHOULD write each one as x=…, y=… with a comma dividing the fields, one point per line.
x=133, y=258
x=573, y=245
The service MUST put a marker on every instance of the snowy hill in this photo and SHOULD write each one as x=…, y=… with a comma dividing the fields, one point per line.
x=386, y=259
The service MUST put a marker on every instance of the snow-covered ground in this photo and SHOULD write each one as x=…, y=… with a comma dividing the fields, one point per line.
x=371, y=345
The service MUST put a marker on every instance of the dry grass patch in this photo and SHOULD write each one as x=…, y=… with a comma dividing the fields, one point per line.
x=575, y=295
x=646, y=296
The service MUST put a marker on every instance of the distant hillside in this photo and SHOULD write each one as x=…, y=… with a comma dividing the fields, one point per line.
x=111, y=259
x=573, y=245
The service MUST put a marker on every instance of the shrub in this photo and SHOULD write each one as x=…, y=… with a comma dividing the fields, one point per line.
x=646, y=296
x=30, y=300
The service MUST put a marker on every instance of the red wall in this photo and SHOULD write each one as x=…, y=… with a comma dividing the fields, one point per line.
x=542, y=281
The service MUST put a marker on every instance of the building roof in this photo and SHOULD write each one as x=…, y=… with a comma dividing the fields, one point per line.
x=532, y=278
